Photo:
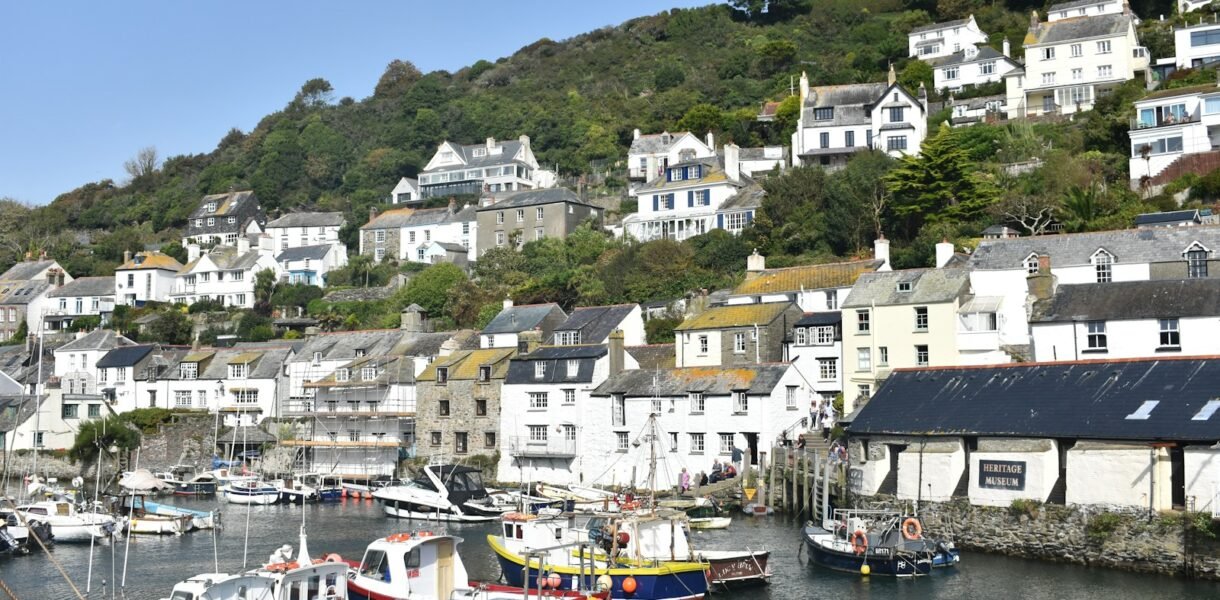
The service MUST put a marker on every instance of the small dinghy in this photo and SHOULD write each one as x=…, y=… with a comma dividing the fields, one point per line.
x=199, y=519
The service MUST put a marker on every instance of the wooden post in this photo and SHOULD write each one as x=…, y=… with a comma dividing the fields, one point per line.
x=805, y=482
x=784, y=483
x=771, y=484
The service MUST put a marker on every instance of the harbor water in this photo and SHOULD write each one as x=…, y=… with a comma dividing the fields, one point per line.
x=155, y=563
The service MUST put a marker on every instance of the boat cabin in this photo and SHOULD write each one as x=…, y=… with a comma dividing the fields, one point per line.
x=660, y=537
x=323, y=581
x=419, y=562
x=50, y=508
x=459, y=483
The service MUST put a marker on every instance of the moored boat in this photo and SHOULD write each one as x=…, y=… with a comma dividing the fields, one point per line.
x=438, y=493
x=701, y=513
x=69, y=525
x=199, y=519
x=295, y=491
x=203, y=484
x=142, y=520
x=282, y=578
x=424, y=566
x=328, y=487
x=877, y=543
x=251, y=492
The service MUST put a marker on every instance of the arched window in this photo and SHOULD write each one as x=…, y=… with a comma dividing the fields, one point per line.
x=1031, y=263
x=1103, y=264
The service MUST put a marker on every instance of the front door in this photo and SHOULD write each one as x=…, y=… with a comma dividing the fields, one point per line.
x=1048, y=104
x=752, y=447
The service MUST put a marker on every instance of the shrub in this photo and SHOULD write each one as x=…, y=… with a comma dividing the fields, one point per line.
x=1102, y=525
x=1025, y=506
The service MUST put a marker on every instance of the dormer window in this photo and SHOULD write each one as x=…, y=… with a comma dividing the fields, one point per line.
x=317, y=358
x=368, y=373
x=478, y=152
x=442, y=375
x=824, y=114
x=210, y=207
x=573, y=368
x=1031, y=264
x=343, y=374
x=904, y=286
x=484, y=374
x=359, y=352
x=1103, y=264
x=1196, y=261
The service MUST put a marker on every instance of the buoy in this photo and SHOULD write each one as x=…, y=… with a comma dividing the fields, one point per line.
x=865, y=570
x=604, y=583
x=629, y=585
x=623, y=538
x=554, y=580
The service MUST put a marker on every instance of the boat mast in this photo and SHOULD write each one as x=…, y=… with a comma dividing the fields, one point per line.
x=37, y=404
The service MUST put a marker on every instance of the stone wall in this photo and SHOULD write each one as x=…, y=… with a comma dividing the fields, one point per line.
x=1171, y=543
x=188, y=439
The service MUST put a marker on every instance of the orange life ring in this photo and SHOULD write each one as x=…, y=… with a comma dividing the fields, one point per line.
x=282, y=567
x=333, y=558
x=912, y=529
x=398, y=537
x=859, y=542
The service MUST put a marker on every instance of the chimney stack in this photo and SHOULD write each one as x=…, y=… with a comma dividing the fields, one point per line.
x=711, y=141
x=412, y=319
x=804, y=87
x=1041, y=285
x=944, y=253
x=1034, y=22
x=243, y=244
x=372, y=213
x=755, y=264
x=529, y=341
x=508, y=302
x=892, y=77
x=635, y=135
x=491, y=143
x=452, y=205
x=881, y=252
x=616, y=352
x=732, y=162
x=192, y=252
x=525, y=140
x=126, y=256
x=1007, y=47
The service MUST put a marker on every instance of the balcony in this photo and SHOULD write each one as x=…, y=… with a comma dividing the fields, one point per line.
x=557, y=447
x=1168, y=120
x=978, y=341
x=316, y=408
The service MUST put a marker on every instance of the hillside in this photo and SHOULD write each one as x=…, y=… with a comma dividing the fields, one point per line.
x=578, y=100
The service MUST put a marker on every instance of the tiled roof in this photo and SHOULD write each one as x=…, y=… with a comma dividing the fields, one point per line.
x=150, y=260
x=84, y=286
x=309, y=219
x=735, y=315
x=1128, y=246
x=398, y=217
x=465, y=364
x=1145, y=399
x=718, y=381
x=807, y=277
x=1158, y=298
x=927, y=286
x=653, y=356
x=532, y=198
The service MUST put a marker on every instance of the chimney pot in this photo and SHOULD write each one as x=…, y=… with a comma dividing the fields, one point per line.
x=711, y=141
x=372, y=213
x=616, y=352
x=635, y=135
x=892, y=77
x=732, y=162
x=1007, y=47
x=755, y=264
x=126, y=256
x=881, y=252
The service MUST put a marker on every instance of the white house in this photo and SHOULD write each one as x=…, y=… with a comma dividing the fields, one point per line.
x=814, y=288
x=503, y=330
x=650, y=155
x=1070, y=62
x=406, y=191
x=980, y=109
x=699, y=418
x=309, y=264
x=1018, y=270
x=549, y=421
x=942, y=39
x=816, y=351
x=761, y=161
x=81, y=297
x=1085, y=8
x=145, y=277
x=1196, y=45
x=225, y=274
x=494, y=166
x=1129, y=319
x=245, y=383
x=323, y=353
x=592, y=325
x=23, y=293
x=972, y=66
x=124, y=375
x=297, y=230
x=688, y=199
x=450, y=225
x=837, y=121
x=76, y=361
x=1171, y=124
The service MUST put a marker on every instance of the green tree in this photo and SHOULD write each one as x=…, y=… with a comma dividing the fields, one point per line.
x=669, y=75
x=97, y=434
x=264, y=286
x=700, y=119
x=429, y=288
x=773, y=55
x=914, y=73
x=792, y=218
x=175, y=250
x=398, y=77
x=173, y=327
x=938, y=184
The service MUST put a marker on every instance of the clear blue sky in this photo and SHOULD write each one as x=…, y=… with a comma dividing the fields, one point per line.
x=85, y=84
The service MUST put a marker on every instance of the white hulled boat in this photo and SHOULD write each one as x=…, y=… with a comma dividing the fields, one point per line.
x=69, y=525
x=251, y=492
x=439, y=493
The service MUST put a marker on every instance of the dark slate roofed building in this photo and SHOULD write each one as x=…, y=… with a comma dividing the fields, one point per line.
x=1175, y=298
x=1176, y=218
x=309, y=219
x=1067, y=30
x=1144, y=400
x=85, y=287
x=752, y=379
x=939, y=26
x=523, y=370
x=125, y=356
x=503, y=330
x=221, y=218
x=303, y=252
x=593, y=324
x=530, y=215
x=1151, y=246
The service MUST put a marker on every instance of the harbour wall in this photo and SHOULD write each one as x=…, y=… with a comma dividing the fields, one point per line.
x=1170, y=542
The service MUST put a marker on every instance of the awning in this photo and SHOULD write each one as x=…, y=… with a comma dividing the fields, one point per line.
x=981, y=304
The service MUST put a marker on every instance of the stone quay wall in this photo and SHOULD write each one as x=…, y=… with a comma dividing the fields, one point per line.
x=1172, y=543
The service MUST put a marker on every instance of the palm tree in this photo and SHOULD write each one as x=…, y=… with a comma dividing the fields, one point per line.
x=1080, y=208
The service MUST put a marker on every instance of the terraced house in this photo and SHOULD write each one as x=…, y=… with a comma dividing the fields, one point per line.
x=736, y=335
x=458, y=405
x=520, y=217
x=223, y=218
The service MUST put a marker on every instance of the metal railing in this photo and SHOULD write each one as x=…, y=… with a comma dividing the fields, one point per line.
x=349, y=407
x=557, y=447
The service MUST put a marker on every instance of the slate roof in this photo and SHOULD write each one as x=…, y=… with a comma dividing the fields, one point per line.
x=225, y=203
x=735, y=315
x=712, y=173
x=464, y=365
x=1174, y=216
x=244, y=434
x=748, y=197
x=342, y=345
x=510, y=148
x=760, y=153
x=521, y=368
x=309, y=219
x=390, y=219
x=928, y=286
x=1182, y=91
x=24, y=408
x=653, y=356
x=806, y=277
x=1129, y=246
x=265, y=363
x=820, y=318
x=429, y=344
x=124, y=356
x=84, y=286
x=1087, y=399
x=595, y=322
x=985, y=53
x=516, y=319
x=716, y=381
x=22, y=292
x=226, y=258
x=390, y=370
x=318, y=252
x=150, y=260
x=944, y=25
x=1078, y=28
x=1163, y=298
x=243, y=206
x=532, y=198
x=1073, y=4
x=98, y=339
x=26, y=270
x=848, y=100
x=655, y=143
x=451, y=247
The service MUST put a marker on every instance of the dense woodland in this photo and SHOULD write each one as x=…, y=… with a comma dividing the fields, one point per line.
x=704, y=69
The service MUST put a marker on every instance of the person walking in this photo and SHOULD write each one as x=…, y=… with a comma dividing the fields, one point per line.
x=828, y=421
x=737, y=455
x=684, y=481
x=815, y=413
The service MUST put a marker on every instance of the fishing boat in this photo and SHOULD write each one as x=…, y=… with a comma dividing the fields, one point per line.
x=295, y=491
x=701, y=513
x=533, y=546
x=328, y=487
x=282, y=578
x=199, y=519
x=440, y=493
x=251, y=492
x=203, y=484
x=69, y=525
x=424, y=566
x=142, y=520
x=877, y=542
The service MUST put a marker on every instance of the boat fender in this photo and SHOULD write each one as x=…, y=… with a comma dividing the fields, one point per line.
x=398, y=537
x=604, y=583
x=912, y=529
x=859, y=542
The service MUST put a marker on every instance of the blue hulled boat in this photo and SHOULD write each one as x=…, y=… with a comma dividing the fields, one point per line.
x=877, y=543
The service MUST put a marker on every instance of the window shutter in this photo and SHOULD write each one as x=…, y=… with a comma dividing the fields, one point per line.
x=690, y=198
x=656, y=203
x=669, y=175
x=720, y=221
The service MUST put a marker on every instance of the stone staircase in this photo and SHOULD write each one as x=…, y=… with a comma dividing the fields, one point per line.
x=1200, y=164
